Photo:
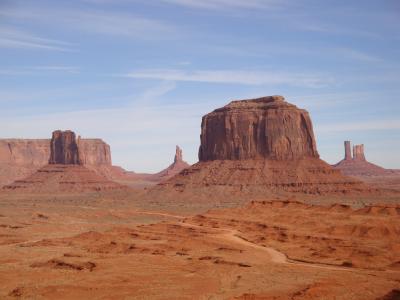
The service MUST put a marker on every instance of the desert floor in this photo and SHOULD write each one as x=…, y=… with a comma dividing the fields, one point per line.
x=115, y=247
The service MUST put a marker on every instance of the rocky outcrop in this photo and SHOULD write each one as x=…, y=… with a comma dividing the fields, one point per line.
x=263, y=128
x=252, y=148
x=178, y=155
x=175, y=168
x=64, y=149
x=357, y=165
x=347, y=150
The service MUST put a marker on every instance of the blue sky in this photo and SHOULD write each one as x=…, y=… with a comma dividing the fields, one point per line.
x=140, y=74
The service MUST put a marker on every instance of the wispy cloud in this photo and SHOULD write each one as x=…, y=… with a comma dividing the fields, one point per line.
x=360, y=126
x=334, y=29
x=38, y=70
x=15, y=38
x=208, y=4
x=356, y=55
x=226, y=4
x=235, y=77
x=95, y=21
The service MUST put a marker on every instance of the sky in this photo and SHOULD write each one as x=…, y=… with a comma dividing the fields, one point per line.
x=140, y=74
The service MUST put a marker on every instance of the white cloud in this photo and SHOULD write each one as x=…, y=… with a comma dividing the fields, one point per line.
x=37, y=70
x=356, y=55
x=234, y=77
x=360, y=126
x=95, y=21
x=15, y=38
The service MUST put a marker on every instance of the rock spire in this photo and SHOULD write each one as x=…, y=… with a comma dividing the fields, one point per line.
x=64, y=148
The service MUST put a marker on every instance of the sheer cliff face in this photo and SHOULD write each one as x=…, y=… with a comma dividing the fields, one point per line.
x=264, y=128
x=94, y=152
x=24, y=151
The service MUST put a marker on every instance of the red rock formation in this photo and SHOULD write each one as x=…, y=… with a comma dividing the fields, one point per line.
x=347, y=150
x=358, y=166
x=178, y=155
x=358, y=152
x=64, y=149
x=263, y=128
x=176, y=167
x=255, y=147
x=21, y=157
x=25, y=152
x=94, y=152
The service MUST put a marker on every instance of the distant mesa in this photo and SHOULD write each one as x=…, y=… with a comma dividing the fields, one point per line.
x=256, y=147
x=357, y=165
x=22, y=157
x=65, y=171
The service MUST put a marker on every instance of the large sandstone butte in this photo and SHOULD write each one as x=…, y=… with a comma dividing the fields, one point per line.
x=259, y=146
x=264, y=128
x=357, y=164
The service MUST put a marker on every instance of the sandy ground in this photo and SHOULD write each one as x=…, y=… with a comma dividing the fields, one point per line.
x=113, y=247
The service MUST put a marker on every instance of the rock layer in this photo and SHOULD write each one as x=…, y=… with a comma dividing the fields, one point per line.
x=63, y=178
x=64, y=149
x=263, y=128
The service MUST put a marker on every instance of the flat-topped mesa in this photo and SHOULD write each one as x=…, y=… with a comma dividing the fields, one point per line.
x=262, y=128
x=64, y=149
x=358, y=152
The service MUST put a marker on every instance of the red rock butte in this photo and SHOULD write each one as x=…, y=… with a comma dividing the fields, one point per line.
x=263, y=128
x=259, y=146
